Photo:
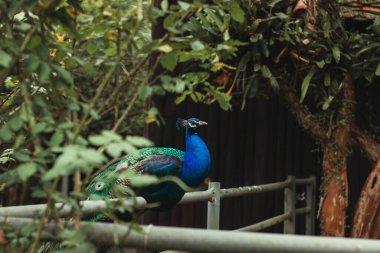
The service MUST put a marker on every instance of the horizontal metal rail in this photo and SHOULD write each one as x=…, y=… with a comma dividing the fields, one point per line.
x=88, y=207
x=266, y=223
x=200, y=240
x=273, y=221
x=95, y=206
x=193, y=197
x=245, y=190
x=304, y=180
x=302, y=210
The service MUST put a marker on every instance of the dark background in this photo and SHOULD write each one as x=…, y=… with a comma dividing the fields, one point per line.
x=261, y=144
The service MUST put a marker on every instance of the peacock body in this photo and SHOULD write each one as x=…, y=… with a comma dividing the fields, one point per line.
x=191, y=166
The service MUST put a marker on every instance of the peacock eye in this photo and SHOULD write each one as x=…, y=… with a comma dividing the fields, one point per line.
x=191, y=124
x=99, y=186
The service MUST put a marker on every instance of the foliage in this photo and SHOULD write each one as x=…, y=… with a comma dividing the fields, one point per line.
x=76, y=76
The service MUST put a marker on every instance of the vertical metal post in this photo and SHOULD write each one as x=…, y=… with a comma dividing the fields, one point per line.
x=310, y=202
x=289, y=206
x=213, y=206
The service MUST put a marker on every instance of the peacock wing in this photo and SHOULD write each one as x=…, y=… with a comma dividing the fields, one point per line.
x=159, y=165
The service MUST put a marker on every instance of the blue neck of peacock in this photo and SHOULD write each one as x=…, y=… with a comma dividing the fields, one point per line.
x=196, y=164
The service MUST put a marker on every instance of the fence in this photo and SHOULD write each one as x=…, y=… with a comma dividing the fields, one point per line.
x=213, y=196
x=163, y=238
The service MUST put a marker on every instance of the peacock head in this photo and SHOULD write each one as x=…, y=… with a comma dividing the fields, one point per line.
x=191, y=124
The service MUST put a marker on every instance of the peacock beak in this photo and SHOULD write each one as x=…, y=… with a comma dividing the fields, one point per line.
x=202, y=123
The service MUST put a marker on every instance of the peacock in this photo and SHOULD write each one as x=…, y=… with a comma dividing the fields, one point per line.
x=191, y=166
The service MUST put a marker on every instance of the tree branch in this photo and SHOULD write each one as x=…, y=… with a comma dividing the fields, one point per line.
x=303, y=118
x=366, y=144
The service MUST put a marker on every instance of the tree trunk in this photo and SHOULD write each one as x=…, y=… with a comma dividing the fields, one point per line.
x=334, y=190
x=366, y=222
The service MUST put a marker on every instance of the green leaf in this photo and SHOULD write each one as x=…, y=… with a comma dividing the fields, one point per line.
x=92, y=156
x=128, y=148
x=306, y=83
x=111, y=136
x=320, y=64
x=169, y=60
x=26, y=170
x=5, y=59
x=145, y=92
x=223, y=100
x=197, y=45
x=15, y=123
x=165, y=48
x=44, y=72
x=327, y=79
x=32, y=63
x=164, y=5
x=56, y=139
x=327, y=102
x=139, y=141
x=184, y=6
x=91, y=48
x=98, y=140
x=274, y=84
x=64, y=74
x=378, y=70
x=143, y=180
x=114, y=149
x=180, y=98
x=236, y=12
x=5, y=133
x=39, y=127
x=336, y=54
x=266, y=72
x=22, y=155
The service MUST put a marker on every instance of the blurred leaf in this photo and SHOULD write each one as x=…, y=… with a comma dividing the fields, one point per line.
x=98, y=140
x=165, y=48
x=236, y=12
x=114, y=149
x=56, y=139
x=92, y=156
x=266, y=72
x=15, y=123
x=111, y=136
x=145, y=92
x=274, y=84
x=169, y=60
x=306, y=83
x=378, y=70
x=336, y=54
x=64, y=74
x=26, y=170
x=139, y=141
x=44, y=72
x=91, y=48
x=5, y=133
x=143, y=180
x=5, y=59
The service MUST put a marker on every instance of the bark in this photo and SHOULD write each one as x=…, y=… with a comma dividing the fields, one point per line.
x=366, y=144
x=3, y=240
x=304, y=118
x=334, y=183
x=334, y=194
x=334, y=191
x=366, y=223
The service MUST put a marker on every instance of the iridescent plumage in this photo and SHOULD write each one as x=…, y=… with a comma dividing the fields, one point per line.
x=191, y=167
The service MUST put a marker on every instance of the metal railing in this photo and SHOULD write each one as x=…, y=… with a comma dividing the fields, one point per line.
x=213, y=196
x=200, y=240
x=186, y=239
